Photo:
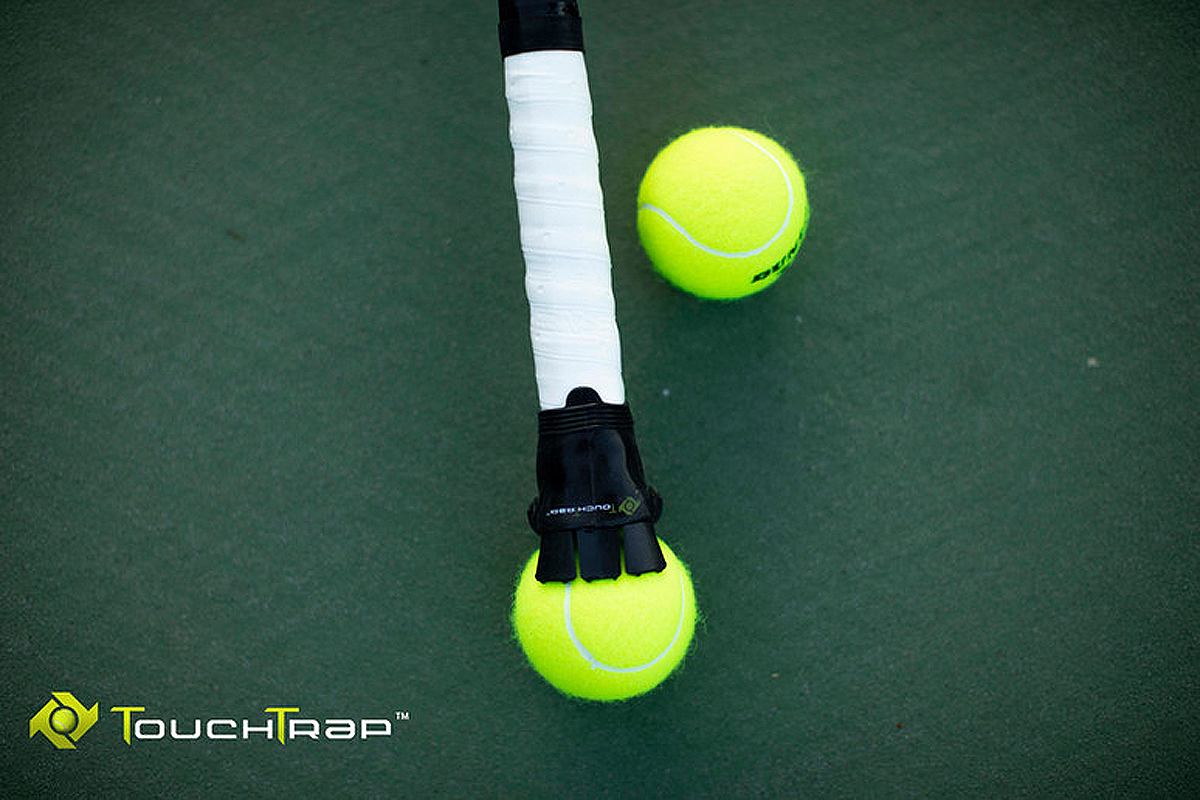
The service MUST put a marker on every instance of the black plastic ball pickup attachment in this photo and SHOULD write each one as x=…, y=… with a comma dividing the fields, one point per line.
x=593, y=501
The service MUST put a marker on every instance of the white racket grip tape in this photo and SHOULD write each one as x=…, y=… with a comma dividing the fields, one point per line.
x=568, y=270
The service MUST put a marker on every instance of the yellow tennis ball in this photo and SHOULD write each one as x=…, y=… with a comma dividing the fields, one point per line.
x=722, y=212
x=607, y=639
x=63, y=720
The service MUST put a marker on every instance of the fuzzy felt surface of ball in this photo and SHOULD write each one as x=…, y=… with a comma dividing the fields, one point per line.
x=722, y=212
x=608, y=639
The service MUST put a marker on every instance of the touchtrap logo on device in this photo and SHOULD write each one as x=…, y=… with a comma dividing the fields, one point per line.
x=63, y=720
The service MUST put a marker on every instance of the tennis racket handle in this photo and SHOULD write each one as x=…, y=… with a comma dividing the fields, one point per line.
x=568, y=269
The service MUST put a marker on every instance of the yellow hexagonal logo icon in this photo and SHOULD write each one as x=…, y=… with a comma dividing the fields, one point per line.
x=63, y=720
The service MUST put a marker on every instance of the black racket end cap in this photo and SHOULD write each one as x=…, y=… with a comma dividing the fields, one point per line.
x=528, y=25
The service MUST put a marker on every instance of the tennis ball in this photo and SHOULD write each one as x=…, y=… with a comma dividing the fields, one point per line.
x=722, y=212
x=608, y=639
x=63, y=720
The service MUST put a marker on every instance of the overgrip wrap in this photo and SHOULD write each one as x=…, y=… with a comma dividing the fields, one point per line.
x=592, y=493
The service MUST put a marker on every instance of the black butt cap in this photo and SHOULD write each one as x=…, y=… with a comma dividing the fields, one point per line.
x=528, y=25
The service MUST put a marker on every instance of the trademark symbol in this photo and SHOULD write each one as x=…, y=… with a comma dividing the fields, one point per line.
x=402, y=716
